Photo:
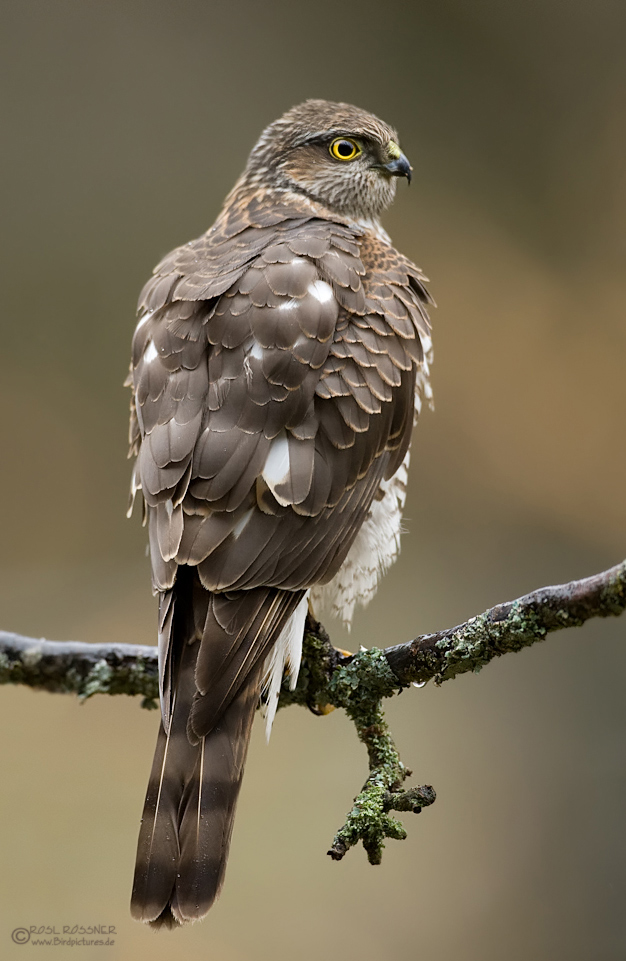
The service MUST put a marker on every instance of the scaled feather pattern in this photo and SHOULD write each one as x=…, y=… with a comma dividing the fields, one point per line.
x=277, y=367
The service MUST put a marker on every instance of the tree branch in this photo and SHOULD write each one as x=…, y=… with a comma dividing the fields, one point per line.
x=509, y=627
x=330, y=678
x=71, y=667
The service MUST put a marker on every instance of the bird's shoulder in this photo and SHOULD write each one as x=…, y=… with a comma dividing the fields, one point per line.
x=273, y=377
x=274, y=234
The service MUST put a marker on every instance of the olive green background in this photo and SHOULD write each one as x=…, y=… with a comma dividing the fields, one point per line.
x=124, y=123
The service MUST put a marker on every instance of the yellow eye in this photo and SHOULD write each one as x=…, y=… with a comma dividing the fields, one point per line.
x=344, y=149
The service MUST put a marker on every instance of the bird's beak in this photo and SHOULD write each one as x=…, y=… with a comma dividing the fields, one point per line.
x=399, y=165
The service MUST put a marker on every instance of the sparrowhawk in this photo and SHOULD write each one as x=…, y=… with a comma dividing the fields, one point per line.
x=277, y=367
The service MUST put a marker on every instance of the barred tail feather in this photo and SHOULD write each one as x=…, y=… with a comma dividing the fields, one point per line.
x=158, y=848
x=208, y=808
x=197, y=770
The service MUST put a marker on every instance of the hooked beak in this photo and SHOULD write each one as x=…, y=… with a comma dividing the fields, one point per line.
x=399, y=167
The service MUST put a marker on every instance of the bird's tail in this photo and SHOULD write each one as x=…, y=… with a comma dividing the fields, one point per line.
x=211, y=677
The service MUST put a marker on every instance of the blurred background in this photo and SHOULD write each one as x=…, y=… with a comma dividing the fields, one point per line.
x=124, y=125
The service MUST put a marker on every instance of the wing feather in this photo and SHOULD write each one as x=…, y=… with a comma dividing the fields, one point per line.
x=273, y=375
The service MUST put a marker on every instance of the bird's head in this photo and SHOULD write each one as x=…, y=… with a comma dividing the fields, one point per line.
x=335, y=154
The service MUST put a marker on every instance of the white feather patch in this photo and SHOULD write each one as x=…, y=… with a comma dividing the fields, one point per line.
x=150, y=353
x=321, y=291
x=374, y=550
x=423, y=388
x=286, y=653
x=373, y=225
x=276, y=467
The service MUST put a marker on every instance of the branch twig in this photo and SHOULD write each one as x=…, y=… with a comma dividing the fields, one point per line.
x=329, y=678
x=71, y=667
x=509, y=627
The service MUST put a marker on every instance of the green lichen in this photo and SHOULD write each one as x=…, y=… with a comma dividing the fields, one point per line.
x=132, y=678
x=362, y=683
x=369, y=820
x=359, y=688
x=5, y=669
x=358, y=684
x=482, y=638
x=98, y=681
x=69, y=671
x=138, y=677
x=319, y=660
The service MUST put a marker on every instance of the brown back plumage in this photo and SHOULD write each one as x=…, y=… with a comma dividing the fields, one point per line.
x=273, y=377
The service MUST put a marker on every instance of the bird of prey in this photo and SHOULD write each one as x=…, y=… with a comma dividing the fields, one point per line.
x=277, y=367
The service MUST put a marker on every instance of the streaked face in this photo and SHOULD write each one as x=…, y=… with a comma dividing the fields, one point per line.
x=352, y=174
x=336, y=154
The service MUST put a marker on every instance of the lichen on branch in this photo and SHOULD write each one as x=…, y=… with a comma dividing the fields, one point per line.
x=330, y=678
x=72, y=667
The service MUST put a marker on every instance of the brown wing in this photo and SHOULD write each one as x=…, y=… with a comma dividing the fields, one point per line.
x=273, y=378
x=269, y=415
